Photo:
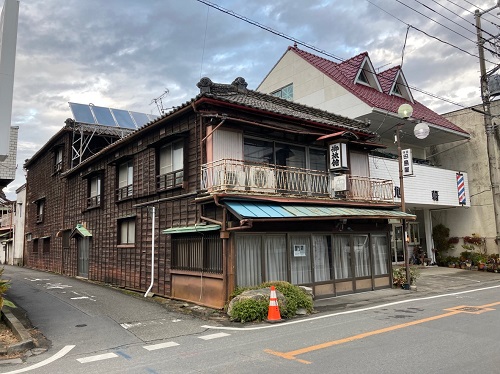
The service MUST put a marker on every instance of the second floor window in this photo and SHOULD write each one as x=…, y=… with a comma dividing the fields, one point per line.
x=58, y=159
x=40, y=209
x=94, y=195
x=171, y=165
x=125, y=180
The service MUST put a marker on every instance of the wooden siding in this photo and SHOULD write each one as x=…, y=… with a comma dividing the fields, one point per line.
x=126, y=266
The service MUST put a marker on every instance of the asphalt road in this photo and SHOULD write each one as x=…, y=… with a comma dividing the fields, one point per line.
x=97, y=329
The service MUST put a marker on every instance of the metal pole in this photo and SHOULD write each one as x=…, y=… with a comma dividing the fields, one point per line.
x=491, y=143
x=152, y=251
x=403, y=207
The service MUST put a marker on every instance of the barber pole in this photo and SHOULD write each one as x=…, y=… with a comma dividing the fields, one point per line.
x=461, y=189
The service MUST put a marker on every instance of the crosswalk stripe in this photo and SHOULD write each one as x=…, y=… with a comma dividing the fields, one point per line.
x=104, y=356
x=213, y=336
x=154, y=347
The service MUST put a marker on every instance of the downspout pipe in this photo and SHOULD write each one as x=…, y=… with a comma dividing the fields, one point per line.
x=152, y=251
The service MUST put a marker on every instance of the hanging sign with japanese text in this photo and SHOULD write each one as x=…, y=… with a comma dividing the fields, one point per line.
x=407, y=161
x=338, y=156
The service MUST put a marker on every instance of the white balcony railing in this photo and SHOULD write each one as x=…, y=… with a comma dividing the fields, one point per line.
x=244, y=177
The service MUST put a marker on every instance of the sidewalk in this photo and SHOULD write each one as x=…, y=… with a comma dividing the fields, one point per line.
x=433, y=280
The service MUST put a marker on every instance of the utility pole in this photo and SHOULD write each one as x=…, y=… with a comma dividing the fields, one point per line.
x=491, y=141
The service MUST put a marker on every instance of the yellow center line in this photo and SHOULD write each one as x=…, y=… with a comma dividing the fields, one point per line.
x=453, y=311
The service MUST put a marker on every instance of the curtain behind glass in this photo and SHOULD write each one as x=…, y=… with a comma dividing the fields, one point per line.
x=380, y=253
x=301, y=265
x=361, y=256
x=342, y=257
x=275, y=257
x=321, y=251
x=248, y=260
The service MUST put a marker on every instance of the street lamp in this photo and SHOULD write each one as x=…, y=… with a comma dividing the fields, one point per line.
x=404, y=111
x=421, y=131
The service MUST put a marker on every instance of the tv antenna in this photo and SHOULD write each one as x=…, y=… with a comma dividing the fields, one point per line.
x=159, y=102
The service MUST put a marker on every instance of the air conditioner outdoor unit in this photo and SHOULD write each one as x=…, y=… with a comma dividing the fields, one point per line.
x=262, y=180
x=339, y=184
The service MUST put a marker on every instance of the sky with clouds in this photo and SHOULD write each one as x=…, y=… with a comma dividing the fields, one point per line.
x=125, y=53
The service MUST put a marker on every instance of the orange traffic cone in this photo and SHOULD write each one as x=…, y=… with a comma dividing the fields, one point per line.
x=273, y=314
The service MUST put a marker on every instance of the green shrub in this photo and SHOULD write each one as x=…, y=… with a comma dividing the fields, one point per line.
x=248, y=310
x=295, y=298
x=4, y=286
x=252, y=310
x=399, y=276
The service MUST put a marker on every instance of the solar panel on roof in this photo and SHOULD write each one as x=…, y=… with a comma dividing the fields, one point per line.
x=103, y=116
x=123, y=118
x=82, y=113
x=140, y=118
x=89, y=113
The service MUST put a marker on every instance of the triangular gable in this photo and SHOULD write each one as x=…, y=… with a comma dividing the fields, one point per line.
x=400, y=87
x=366, y=75
x=79, y=230
x=343, y=74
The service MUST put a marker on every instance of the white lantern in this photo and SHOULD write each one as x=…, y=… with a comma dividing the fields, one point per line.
x=405, y=111
x=421, y=130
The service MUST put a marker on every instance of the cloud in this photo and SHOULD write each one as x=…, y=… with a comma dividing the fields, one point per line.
x=125, y=53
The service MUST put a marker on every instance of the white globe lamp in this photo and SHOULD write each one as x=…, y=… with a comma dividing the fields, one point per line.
x=421, y=130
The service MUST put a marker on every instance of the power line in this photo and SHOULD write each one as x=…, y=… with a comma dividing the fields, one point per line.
x=471, y=12
x=440, y=24
x=312, y=47
x=427, y=34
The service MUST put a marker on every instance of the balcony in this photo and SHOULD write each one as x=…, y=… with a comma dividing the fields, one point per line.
x=234, y=176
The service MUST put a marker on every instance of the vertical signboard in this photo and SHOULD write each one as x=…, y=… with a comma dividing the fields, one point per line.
x=407, y=162
x=338, y=156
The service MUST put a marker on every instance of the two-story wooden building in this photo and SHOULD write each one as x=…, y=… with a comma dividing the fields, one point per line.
x=246, y=187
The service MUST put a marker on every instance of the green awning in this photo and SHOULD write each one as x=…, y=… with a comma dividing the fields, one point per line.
x=80, y=230
x=189, y=229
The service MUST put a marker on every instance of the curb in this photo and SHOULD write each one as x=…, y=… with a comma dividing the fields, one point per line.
x=25, y=339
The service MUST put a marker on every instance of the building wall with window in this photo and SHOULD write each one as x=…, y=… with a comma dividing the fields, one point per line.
x=104, y=230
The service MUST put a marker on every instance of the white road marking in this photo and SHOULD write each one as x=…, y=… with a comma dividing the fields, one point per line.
x=36, y=279
x=305, y=320
x=104, y=356
x=57, y=285
x=126, y=326
x=57, y=356
x=80, y=298
x=213, y=336
x=154, y=347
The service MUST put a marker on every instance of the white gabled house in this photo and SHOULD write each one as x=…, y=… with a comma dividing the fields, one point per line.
x=354, y=89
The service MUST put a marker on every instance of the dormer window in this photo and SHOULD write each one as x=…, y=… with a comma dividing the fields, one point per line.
x=400, y=88
x=366, y=75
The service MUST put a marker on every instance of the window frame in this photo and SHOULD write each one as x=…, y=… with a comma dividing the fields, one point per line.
x=173, y=178
x=125, y=191
x=129, y=242
x=41, y=206
x=198, y=253
x=58, y=159
x=285, y=92
x=94, y=200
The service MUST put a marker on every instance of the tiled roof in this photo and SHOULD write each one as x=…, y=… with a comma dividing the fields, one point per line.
x=237, y=94
x=345, y=72
x=256, y=100
x=388, y=77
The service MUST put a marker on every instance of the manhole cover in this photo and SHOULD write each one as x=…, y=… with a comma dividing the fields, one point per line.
x=469, y=309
